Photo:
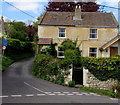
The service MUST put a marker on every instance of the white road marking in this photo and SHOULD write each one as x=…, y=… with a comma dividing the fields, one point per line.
x=16, y=95
x=29, y=95
x=3, y=96
x=56, y=92
x=79, y=94
x=48, y=92
x=66, y=92
x=34, y=88
x=61, y=94
x=75, y=92
x=114, y=99
x=40, y=94
x=51, y=94
x=70, y=94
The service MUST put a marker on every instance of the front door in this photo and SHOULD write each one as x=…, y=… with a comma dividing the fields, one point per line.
x=113, y=51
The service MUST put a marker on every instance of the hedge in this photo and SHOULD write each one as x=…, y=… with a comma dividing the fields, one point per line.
x=104, y=68
x=17, y=49
x=49, y=68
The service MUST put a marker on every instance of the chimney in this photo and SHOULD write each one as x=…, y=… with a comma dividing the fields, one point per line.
x=77, y=13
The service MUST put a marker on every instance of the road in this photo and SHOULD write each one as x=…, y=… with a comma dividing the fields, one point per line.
x=20, y=86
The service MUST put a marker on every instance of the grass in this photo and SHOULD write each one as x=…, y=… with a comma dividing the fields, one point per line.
x=6, y=62
x=100, y=91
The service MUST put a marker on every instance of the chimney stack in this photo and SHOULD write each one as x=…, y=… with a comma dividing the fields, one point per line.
x=77, y=13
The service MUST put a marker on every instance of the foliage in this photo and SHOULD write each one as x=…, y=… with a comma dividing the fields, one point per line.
x=71, y=83
x=6, y=62
x=19, y=30
x=98, y=91
x=72, y=52
x=70, y=6
x=47, y=67
x=51, y=50
x=104, y=68
x=17, y=49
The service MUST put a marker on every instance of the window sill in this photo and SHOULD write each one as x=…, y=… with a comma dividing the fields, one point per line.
x=61, y=56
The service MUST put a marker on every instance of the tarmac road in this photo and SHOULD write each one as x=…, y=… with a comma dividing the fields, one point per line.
x=20, y=86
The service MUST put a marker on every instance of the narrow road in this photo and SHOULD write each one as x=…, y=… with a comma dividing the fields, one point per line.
x=20, y=86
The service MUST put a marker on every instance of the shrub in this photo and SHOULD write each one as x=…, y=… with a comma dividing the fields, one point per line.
x=17, y=49
x=104, y=68
x=71, y=83
x=6, y=62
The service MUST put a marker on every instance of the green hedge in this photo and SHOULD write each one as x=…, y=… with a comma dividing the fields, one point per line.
x=49, y=68
x=104, y=68
x=6, y=62
x=17, y=49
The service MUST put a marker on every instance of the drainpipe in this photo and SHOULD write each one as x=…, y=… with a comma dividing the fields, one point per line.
x=119, y=27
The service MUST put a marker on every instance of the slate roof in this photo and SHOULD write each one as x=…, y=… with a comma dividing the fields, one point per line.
x=112, y=41
x=45, y=41
x=89, y=19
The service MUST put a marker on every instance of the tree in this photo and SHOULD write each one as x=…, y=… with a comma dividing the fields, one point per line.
x=70, y=6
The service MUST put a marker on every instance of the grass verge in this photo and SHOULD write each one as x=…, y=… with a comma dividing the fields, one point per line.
x=109, y=93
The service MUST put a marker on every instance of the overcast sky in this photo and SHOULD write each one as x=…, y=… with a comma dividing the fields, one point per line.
x=36, y=7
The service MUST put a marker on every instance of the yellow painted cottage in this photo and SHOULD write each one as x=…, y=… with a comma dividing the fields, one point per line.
x=97, y=32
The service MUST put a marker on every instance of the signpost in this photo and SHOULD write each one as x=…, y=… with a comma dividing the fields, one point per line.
x=4, y=44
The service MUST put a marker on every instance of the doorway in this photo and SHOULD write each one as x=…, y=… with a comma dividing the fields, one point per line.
x=113, y=51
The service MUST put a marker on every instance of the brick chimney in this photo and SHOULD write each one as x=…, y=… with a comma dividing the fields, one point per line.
x=77, y=13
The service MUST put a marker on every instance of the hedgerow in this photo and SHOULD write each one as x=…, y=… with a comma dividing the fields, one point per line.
x=104, y=68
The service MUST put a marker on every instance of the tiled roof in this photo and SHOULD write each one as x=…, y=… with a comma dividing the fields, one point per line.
x=89, y=19
x=112, y=41
x=45, y=41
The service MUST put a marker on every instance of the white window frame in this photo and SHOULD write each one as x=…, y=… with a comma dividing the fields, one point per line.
x=93, y=34
x=94, y=52
x=60, y=52
x=61, y=32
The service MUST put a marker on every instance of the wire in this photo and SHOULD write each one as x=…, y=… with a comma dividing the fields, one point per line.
x=109, y=6
x=19, y=9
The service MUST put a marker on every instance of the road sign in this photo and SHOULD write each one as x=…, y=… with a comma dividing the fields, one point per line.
x=4, y=42
x=4, y=47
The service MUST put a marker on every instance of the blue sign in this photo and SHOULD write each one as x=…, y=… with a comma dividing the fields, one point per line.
x=4, y=42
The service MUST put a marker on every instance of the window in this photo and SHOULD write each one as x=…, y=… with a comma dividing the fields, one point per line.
x=60, y=53
x=93, y=52
x=61, y=32
x=93, y=33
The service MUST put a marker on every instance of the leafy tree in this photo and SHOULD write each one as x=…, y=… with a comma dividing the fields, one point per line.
x=72, y=52
x=70, y=6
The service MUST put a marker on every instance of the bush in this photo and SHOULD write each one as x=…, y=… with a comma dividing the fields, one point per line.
x=104, y=68
x=71, y=83
x=49, y=68
x=6, y=62
x=18, y=50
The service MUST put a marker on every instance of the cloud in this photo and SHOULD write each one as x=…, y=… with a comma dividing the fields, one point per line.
x=35, y=7
x=113, y=3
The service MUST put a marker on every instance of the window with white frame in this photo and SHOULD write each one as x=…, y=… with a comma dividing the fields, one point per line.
x=93, y=33
x=60, y=52
x=62, y=33
x=93, y=52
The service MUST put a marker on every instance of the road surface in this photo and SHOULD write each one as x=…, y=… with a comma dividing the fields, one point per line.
x=20, y=86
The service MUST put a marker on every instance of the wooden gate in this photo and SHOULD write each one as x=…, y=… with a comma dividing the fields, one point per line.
x=77, y=75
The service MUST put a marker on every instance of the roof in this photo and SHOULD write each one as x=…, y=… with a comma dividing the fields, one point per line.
x=45, y=41
x=112, y=41
x=89, y=19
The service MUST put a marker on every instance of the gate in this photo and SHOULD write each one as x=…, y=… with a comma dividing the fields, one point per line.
x=77, y=75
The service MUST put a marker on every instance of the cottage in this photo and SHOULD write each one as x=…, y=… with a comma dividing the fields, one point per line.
x=97, y=32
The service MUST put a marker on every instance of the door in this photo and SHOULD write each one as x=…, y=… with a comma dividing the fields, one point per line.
x=77, y=75
x=113, y=51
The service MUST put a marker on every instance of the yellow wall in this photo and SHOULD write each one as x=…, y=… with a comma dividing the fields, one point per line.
x=104, y=35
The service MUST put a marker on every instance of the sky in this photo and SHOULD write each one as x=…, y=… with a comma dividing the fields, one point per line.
x=36, y=7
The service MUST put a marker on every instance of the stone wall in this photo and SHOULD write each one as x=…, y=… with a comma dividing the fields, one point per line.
x=89, y=80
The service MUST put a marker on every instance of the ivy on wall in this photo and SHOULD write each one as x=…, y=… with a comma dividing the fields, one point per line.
x=103, y=68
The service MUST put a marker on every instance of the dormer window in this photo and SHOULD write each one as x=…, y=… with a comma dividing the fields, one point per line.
x=93, y=34
x=62, y=33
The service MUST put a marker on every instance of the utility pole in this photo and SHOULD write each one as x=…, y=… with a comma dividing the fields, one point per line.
x=119, y=16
